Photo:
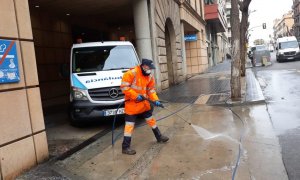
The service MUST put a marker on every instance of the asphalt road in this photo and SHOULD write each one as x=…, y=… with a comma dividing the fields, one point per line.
x=280, y=83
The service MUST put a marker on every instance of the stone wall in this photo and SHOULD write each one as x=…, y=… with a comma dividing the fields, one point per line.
x=196, y=51
x=53, y=41
x=23, y=141
x=167, y=10
x=196, y=56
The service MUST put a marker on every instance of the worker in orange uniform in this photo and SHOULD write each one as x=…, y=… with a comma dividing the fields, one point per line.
x=138, y=84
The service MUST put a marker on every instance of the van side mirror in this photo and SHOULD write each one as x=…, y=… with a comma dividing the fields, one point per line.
x=276, y=48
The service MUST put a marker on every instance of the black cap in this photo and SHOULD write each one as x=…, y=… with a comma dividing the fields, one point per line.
x=148, y=62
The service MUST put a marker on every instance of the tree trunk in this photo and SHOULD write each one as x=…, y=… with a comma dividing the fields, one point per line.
x=244, y=7
x=244, y=28
x=235, y=44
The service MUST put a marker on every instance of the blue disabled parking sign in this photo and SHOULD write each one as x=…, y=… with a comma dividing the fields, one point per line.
x=9, y=70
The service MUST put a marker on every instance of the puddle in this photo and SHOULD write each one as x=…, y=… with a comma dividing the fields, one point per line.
x=211, y=171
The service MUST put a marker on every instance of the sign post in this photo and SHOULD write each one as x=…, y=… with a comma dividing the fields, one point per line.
x=9, y=69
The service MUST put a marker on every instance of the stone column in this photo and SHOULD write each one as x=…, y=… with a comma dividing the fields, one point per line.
x=142, y=28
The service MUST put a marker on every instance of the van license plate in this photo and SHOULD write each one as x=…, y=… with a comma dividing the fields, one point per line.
x=112, y=112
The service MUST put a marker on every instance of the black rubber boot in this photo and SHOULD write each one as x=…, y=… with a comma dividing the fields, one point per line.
x=126, y=146
x=159, y=136
x=128, y=151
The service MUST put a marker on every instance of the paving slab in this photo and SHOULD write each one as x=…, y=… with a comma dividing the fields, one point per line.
x=209, y=148
x=206, y=149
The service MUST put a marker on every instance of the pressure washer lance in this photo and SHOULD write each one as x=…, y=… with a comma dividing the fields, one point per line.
x=113, y=126
x=162, y=106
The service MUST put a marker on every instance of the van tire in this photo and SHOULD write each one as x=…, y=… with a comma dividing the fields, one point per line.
x=73, y=120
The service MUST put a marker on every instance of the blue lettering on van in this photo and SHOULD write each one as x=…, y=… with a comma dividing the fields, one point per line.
x=102, y=79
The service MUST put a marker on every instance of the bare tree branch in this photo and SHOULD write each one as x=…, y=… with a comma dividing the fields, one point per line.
x=241, y=4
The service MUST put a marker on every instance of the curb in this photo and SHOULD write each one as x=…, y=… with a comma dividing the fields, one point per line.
x=251, y=89
x=239, y=103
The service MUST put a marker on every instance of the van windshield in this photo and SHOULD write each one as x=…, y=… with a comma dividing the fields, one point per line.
x=101, y=58
x=288, y=44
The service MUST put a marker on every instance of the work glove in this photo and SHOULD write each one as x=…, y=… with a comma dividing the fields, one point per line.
x=158, y=104
x=139, y=98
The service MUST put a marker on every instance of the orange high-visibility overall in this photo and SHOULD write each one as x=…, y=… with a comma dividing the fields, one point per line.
x=134, y=83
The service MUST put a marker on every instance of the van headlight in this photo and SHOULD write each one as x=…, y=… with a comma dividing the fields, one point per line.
x=79, y=94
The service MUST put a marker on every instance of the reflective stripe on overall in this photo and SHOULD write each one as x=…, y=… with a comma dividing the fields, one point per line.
x=134, y=83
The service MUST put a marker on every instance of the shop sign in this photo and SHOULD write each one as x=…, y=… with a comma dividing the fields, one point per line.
x=190, y=37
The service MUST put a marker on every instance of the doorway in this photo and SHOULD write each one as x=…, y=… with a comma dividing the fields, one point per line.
x=170, y=41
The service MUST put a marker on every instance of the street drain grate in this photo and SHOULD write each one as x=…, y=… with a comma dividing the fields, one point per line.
x=217, y=99
x=212, y=99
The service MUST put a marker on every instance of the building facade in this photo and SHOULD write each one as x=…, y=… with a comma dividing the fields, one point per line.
x=216, y=29
x=283, y=27
x=43, y=33
x=193, y=23
x=228, y=14
x=296, y=27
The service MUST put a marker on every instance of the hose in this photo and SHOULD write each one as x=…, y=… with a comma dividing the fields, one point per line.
x=114, y=122
x=241, y=138
x=178, y=110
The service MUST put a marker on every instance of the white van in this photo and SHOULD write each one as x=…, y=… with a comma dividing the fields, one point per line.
x=287, y=49
x=96, y=73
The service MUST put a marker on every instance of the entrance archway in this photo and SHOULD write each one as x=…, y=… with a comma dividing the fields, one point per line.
x=170, y=41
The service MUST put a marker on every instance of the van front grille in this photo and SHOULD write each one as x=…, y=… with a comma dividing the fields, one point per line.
x=290, y=53
x=106, y=94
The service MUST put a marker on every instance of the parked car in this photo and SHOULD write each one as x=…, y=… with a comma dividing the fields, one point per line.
x=261, y=55
x=250, y=53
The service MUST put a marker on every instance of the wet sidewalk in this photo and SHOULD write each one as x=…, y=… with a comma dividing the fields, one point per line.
x=213, y=88
x=206, y=142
